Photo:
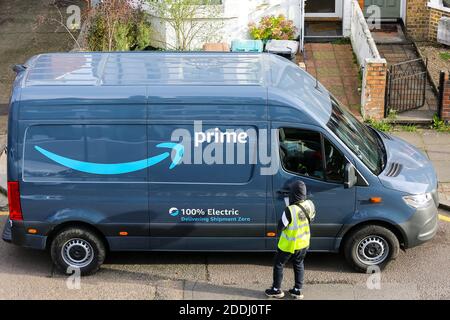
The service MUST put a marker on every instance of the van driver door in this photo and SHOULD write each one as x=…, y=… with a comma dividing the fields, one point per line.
x=308, y=154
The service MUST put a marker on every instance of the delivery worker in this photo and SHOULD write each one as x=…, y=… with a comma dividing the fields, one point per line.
x=293, y=228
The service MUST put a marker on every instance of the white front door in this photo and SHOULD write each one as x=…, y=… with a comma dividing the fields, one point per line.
x=323, y=8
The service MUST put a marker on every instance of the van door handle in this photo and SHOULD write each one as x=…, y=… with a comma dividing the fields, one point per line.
x=283, y=192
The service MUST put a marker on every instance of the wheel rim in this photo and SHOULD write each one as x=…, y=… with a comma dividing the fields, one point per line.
x=372, y=250
x=77, y=253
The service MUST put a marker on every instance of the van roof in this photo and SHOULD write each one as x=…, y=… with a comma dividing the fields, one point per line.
x=145, y=68
x=157, y=78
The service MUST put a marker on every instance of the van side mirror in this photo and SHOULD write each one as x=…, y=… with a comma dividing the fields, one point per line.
x=350, y=178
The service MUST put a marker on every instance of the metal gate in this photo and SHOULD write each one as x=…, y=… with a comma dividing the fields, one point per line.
x=406, y=85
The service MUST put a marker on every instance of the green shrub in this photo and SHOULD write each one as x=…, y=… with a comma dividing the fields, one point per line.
x=123, y=37
x=440, y=125
x=445, y=56
x=273, y=27
x=117, y=26
x=96, y=34
x=142, y=34
x=409, y=128
x=380, y=125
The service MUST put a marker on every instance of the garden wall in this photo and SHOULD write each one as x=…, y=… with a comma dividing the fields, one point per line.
x=373, y=67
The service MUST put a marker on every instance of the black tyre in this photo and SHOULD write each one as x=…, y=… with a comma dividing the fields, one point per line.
x=80, y=248
x=370, y=246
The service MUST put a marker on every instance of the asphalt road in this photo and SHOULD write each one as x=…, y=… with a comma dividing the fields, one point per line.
x=418, y=273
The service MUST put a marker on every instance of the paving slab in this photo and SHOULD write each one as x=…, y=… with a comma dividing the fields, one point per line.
x=438, y=138
x=442, y=170
x=438, y=152
x=414, y=138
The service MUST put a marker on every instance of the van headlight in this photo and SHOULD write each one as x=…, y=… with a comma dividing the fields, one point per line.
x=418, y=200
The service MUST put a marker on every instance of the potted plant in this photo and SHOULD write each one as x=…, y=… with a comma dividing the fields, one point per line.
x=273, y=27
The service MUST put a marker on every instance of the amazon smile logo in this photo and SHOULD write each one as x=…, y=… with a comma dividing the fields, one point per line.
x=117, y=168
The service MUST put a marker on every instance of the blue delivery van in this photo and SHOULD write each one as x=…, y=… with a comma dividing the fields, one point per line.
x=195, y=152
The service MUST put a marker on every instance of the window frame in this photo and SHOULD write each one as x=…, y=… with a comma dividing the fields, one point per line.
x=322, y=146
x=438, y=5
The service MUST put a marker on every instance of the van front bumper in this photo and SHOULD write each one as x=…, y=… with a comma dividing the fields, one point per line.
x=422, y=226
x=14, y=232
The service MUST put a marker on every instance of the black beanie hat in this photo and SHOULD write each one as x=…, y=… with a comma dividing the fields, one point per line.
x=297, y=192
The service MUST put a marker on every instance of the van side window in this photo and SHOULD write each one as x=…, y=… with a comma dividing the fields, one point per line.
x=335, y=163
x=301, y=152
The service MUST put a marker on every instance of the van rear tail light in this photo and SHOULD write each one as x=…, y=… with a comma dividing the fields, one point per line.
x=15, y=210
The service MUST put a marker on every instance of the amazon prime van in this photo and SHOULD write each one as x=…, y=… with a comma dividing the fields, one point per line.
x=195, y=152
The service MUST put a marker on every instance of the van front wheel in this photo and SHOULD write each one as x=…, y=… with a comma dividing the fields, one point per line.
x=371, y=246
x=77, y=249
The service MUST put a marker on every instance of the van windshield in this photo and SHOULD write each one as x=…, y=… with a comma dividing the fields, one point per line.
x=358, y=137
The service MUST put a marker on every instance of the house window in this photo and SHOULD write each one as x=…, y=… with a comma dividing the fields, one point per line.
x=440, y=5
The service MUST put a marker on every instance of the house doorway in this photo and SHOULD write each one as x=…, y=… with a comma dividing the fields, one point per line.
x=323, y=8
x=323, y=19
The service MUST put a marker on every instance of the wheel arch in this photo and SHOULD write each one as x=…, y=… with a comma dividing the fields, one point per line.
x=401, y=236
x=74, y=224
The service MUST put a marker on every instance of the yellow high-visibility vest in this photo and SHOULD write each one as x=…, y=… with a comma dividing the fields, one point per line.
x=297, y=234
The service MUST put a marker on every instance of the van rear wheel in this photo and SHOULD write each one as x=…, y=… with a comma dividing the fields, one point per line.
x=77, y=248
x=371, y=246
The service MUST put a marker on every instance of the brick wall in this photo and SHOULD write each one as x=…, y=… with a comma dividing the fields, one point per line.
x=421, y=21
x=435, y=15
x=445, y=106
x=417, y=19
x=374, y=87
